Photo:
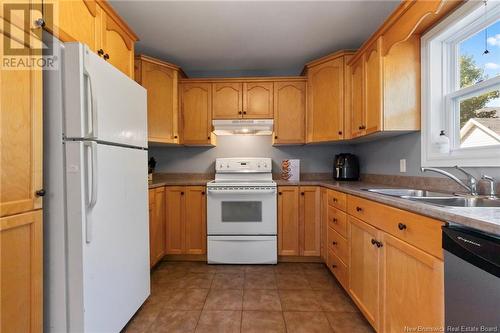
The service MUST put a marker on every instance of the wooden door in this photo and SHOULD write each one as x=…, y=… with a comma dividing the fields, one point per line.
x=324, y=223
x=117, y=45
x=196, y=220
x=325, y=114
x=412, y=285
x=288, y=221
x=227, y=100
x=21, y=283
x=258, y=100
x=20, y=136
x=196, y=106
x=310, y=222
x=157, y=230
x=161, y=85
x=76, y=20
x=175, y=227
x=289, y=112
x=364, y=268
x=357, y=99
x=373, y=88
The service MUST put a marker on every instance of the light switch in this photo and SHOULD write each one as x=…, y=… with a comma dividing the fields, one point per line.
x=402, y=165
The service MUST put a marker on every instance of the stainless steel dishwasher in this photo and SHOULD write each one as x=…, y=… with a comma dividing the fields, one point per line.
x=471, y=280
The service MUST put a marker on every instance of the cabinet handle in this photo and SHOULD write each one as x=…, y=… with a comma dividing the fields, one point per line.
x=334, y=220
x=376, y=242
x=40, y=193
x=379, y=244
x=401, y=226
x=106, y=56
x=359, y=209
x=335, y=200
x=100, y=52
x=334, y=243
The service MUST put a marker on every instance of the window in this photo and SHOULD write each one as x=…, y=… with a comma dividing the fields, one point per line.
x=461, y=87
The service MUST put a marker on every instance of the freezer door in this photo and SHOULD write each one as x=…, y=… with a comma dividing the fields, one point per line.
x=108, y=235
x=100, y=102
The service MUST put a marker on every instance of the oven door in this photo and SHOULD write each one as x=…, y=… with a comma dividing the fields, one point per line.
x=241, y=211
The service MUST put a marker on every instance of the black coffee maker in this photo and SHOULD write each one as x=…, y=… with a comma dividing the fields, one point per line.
x=346, y=167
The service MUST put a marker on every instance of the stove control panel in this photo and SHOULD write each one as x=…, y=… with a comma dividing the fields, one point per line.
x=243, y=165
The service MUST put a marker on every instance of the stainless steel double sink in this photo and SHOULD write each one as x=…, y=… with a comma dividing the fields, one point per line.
x=438, y=198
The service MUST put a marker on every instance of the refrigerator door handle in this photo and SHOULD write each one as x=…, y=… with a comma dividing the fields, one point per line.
x=92, y=196
x=92, y=130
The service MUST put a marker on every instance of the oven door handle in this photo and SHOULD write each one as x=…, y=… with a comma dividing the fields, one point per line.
x=273, y=191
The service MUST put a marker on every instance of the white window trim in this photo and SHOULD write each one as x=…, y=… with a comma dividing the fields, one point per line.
x=437, y=56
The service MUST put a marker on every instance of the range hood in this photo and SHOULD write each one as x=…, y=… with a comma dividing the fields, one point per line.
x=243, y=126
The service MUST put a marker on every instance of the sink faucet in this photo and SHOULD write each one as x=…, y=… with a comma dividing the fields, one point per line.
x=471, y=187
x=492, y=182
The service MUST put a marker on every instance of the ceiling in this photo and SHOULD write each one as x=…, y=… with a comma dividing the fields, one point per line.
x=240, y=38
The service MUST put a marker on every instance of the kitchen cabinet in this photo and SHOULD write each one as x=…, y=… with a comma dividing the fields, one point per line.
x=161, y=82
x=196, y=110
x=21, y=270
x=186, y=220
x=373, y=88
x=299, y=221
x=326, y=97
x=324, y=224
x=289, y=112
x=157, y=225
x=227, y=100
x=357, y=116
x=258, y=100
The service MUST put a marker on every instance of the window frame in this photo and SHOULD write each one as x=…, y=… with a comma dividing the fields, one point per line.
x=441, y=86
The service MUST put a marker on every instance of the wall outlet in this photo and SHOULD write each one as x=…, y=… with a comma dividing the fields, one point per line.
x=402, y=165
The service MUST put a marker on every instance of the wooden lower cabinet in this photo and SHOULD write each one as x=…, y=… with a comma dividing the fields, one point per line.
x=157, y=233
x=21, y=272
x=186, y=220
x=310, y=221
x=288, y=221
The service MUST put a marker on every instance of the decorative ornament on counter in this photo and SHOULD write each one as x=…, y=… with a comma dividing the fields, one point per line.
x=290, y=170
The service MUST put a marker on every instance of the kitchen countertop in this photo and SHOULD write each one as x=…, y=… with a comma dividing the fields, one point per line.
x=486, y=219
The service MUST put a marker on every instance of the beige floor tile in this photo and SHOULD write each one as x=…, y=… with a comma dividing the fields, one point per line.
x=335, y=301
x=261, y=299
x=173, y=321
x=219, y=322
x=262, y=322
x=290, y=281
x=288, y=268
x=233, y=269
x=224, y=299
x=307, y=322
x=299, y=300
x=260, y=269
x=197, y=280
x=185, y=299
x=313, y=267
x=202, y=267
x=145, y=316
x=323, y=281
x=352, y=322
x=265, y=280
x=228, y=281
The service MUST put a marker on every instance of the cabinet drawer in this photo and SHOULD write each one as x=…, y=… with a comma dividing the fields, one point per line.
x=337, y=220
x=420, y=231
x=338, y=244
x=337, y=199
x=338, y=268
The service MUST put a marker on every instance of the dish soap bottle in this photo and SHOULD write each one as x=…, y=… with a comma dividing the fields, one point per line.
x=442, y=143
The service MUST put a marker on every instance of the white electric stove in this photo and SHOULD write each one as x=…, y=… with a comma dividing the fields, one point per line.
x=241, y=212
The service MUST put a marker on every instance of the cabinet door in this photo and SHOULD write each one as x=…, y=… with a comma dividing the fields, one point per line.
x=411, y=287
x=21, y=271
x=228, y=100
x=258, y=100
x=196, y=106
x=288, y=221
x=325, y=115
x=175, y=227
x=159, y=226
x=310, y=221
x=117, y=45
x=20, y=136
x=196, y=220
x=324, y=223
x=373, y=88
x=289, y=112
x=76, y=20
x=152, y=225
x=364, y=269
x=161, y=85
x=357, y=99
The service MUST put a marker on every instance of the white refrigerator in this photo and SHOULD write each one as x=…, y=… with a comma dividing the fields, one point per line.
x=96, y=230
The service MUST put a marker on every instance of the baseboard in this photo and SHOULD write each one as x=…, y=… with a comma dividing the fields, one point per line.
x=203, y=257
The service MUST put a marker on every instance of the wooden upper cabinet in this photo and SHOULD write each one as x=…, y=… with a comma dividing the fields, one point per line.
x=364, y=268
x=412, y=287
x=21, y=284
x=175, y=228
x=373, y=88
x=310, y=221
x=161, y=81
x=20, y=136
x=227, y=100
x=258, y=100
x=289, y=112
x=195, y=220
x=357, y=113
x=288, y=221
x=196, y=106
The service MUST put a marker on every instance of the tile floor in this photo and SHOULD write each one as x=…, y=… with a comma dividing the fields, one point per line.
x=288, y=297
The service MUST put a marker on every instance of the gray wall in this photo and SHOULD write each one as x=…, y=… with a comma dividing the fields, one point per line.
x=313, y=158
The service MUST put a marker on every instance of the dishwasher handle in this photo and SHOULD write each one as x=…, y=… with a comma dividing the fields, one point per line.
x=476, y=248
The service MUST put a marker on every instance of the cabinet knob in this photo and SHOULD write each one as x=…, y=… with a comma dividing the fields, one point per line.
x=182, y=193
x=301, y=193
x=334, y=243
x=175, y=136
x=334, y=220
x=202, y=192
x=239, y=112
x=244, y=112
x=340, y=132
x=335, y=200
x=106, y=56
x=401, y=226
x=275, y=137
x=40, y=23
x=100, y=52
x=334, y=266
x=359, y=209
x=40, y=193
x=208, y=137
x=280, y=193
